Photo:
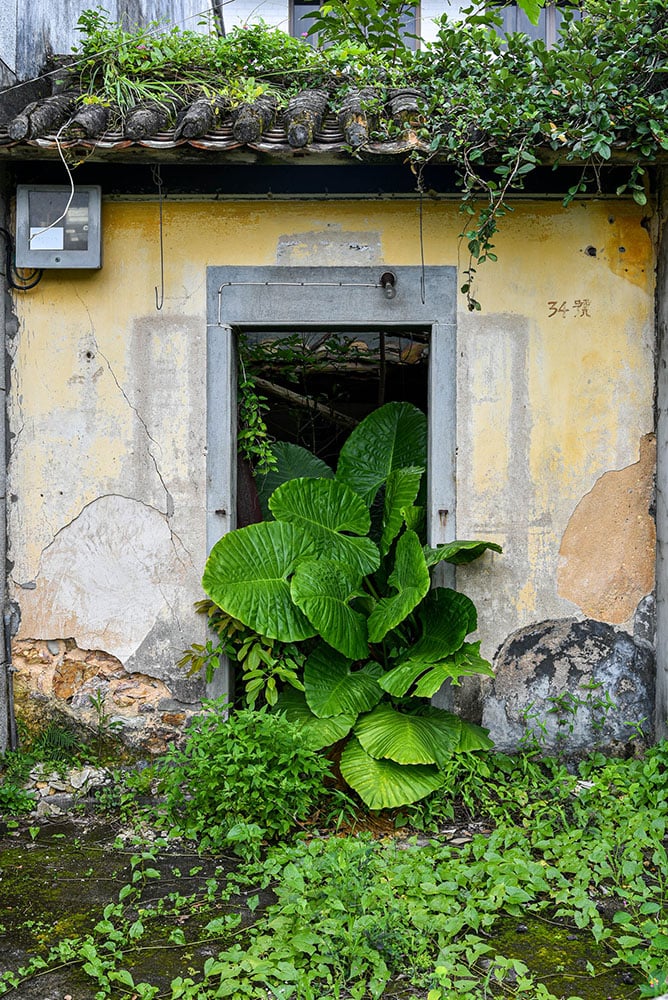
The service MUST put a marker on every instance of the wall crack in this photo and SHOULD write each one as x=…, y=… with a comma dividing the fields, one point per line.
x=169, y=500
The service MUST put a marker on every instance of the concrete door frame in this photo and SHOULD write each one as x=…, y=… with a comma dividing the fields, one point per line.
x=303, y=298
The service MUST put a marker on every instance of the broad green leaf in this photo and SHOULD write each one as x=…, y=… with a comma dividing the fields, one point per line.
x=397, y=681
x=317, y=733
x=323, y=589
x=446, y=617
x=322, y=509
x=531, y=8
x=384, y=784
x=292, y=462
x=391, y=437
x=459, y=553
x=332, y=689
x=247, y=575
x=409, y=739
x=465, y=662
x=473, y=737
x=400, y=493
x=410, y=580
x=414, y=518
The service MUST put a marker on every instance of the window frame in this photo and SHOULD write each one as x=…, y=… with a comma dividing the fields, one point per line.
x=296, y=21
x=548, y=25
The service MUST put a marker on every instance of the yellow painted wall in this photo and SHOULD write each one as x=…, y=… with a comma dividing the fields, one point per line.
x=555, y=392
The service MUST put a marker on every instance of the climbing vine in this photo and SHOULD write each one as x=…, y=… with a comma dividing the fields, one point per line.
x=494, y=107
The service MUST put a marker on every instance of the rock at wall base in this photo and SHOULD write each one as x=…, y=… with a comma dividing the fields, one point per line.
x=571, y=686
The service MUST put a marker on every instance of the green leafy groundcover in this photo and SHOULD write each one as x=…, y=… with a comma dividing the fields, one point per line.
x=495, y=108
x=356, y=919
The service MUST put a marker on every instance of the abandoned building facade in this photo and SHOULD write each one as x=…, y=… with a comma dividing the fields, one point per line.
x=546, y=408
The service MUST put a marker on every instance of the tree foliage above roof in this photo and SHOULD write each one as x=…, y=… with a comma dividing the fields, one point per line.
x=494, y=107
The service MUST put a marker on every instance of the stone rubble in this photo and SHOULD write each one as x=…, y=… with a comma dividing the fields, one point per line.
x=56, y=791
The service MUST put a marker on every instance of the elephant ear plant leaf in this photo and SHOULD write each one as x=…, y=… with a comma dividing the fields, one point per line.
x=334, y=689
x=323, y=590
x=318, y=733
x=385, y=784
x=322, y=509
x=247, y=575
x=342, y=572
x=392, y=437
x=401, y=490
x=410, y=581
x=290, y=461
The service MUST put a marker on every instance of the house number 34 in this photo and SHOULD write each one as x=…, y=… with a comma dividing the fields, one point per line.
x=578, y=307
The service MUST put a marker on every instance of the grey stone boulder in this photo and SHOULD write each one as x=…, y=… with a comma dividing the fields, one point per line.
x=577, y=685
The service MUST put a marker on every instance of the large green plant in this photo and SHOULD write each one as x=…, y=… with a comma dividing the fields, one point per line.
x=341, y=568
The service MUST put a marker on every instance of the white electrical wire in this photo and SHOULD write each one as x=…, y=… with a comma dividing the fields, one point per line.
x=71, y=180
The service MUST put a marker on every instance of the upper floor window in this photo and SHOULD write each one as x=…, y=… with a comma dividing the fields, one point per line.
x=423, y=16
x=300, y=24
x=547, y=29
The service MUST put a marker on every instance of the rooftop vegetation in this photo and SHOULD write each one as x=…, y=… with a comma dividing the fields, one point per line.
x=495, y=108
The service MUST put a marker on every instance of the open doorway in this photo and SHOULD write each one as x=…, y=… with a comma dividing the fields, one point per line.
x=375, y=346
x=315, y=388
x=318, y=385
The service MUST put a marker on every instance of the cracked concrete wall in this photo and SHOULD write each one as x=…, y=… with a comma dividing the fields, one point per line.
x=9, y=327
x=108, y=442
x=661, y=714
x=107, y=412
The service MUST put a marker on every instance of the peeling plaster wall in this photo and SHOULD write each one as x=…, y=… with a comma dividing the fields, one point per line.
x=107, y=414
x=606, y=581
x=661, y=714
x=8, y=320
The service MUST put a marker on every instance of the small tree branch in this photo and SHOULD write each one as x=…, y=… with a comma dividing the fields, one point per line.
x=305, y=403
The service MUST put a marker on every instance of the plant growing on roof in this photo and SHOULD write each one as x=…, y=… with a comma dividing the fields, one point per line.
x=157, y=63
x=495, y=108
x=342, y=572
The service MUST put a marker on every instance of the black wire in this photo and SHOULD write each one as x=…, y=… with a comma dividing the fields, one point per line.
x=34, y=276
x=159, y=300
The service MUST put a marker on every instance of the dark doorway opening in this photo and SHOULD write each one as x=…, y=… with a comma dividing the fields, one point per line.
x=320, y=385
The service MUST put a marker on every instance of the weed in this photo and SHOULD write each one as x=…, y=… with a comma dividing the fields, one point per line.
x=241, y=777
x=105, y=725
x=564, y=711
x=351, y=917
x=15, y=800
x=56, y=743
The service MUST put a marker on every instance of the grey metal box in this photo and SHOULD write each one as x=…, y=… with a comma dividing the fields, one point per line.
x=55, y=228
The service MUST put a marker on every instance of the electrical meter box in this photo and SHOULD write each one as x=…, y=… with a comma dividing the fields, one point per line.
x=58, y=227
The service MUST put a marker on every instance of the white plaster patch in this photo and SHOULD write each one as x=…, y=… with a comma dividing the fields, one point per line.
x=104, y=579
x=331, y=246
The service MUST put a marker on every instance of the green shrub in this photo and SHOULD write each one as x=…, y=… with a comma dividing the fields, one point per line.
x=241, y=777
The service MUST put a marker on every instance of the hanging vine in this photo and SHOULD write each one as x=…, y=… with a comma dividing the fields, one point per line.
x=495, y=108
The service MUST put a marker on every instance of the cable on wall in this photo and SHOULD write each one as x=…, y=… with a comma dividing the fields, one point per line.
x=160, y=298
x=422, y=276
x=70, y=178
x=16, y=280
